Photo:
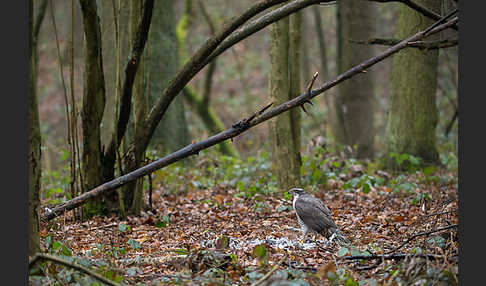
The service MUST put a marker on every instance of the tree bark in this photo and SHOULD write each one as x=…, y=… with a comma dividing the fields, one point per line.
x=134, y=190
x=295, y=88
x=324, y=70
x=35, y=167
x=354, y=103
x=412, y=118
x=93, y=105
x=284, y=158
x=172, y=132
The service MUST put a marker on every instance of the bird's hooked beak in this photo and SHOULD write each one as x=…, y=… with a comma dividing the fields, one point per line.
x=295, y=191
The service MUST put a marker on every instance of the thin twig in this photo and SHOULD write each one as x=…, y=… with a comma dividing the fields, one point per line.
x=309, y=89
x=42, y=256
x=420, y=234
x=391, y=256
x=265, y=277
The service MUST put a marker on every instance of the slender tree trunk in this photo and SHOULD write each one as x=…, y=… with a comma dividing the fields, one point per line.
x=283, y=153
x=133, y=195
x=412, y=118
x=354, y=104
x=295, y=59
x=324, y=71
x=35, y=167
x=200, y=103
x=172, y=132
x=93, y=105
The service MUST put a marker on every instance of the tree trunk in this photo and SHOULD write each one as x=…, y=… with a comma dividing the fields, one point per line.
x=172, y=132
x=133, y=194
x=35, y=167
x=354, y=124
x=200, y=103
x=324, y=73
x=210, y=119
x=285, y=164
x=93, y=105
x=412, y=116
x=295, y=59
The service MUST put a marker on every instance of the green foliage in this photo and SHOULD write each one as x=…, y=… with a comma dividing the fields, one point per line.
x=134, y=244
x=364, y=182
x=68, y=276
x=54, y=186
x=250, y=176
x=163, y=222
x=57, y=247
x=407, y=162
x=449, y=160
x=124, y=228
x=261, y=253
x=341, y=277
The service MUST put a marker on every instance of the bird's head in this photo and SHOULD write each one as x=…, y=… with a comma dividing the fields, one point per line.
x=297, y=191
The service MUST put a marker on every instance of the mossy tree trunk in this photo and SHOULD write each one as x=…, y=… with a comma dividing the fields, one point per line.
x=172, y=132
x=134, y=194
x=35, y=167
x=201, y=103
x=295, y=88
x=93, y=105
x=353, y=105
x=285, y=163
x=210, y=119
x=412, y=117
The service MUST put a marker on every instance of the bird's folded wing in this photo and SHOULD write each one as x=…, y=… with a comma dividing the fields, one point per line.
x=314, y=213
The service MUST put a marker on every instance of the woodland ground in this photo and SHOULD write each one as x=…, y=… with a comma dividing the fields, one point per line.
x=235, y=229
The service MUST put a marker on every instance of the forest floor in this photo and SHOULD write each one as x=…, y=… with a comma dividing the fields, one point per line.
x=214, y=236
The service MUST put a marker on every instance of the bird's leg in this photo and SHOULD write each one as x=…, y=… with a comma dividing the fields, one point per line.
x=332, y=237
x=302, y=237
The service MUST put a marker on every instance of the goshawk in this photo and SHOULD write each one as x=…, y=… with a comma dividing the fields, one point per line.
x=315, y=217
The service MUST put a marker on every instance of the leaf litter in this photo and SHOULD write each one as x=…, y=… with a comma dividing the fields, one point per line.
x=210, y=236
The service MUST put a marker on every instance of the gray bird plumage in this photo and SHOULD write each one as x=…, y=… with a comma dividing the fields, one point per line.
x=314, y=216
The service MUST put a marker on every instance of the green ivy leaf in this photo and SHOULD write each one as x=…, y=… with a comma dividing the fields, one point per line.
x=134, y=244
x=343, y=251
x=260, y=251
x=123, y=227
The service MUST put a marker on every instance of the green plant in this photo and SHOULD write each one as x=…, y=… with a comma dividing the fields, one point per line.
x=363, y=182
x=407, y=162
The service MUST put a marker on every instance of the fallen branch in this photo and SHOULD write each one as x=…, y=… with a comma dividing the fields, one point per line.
x=420, y=234
x=392, y=256
x=433, y=45
x=236, y=129
x=42, y=256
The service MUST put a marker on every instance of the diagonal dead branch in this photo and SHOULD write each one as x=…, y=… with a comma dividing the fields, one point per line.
x=423, y=45
x=234, y=130
x=420, y=234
